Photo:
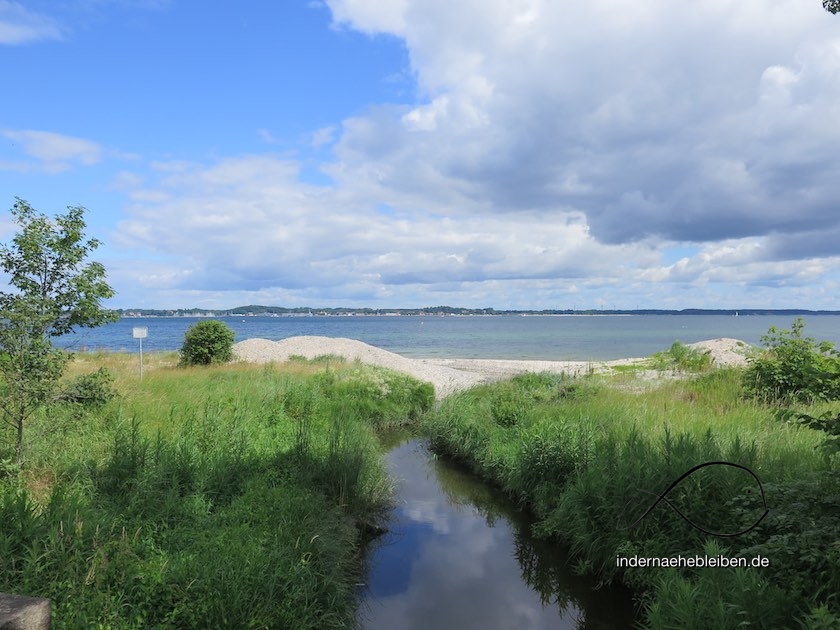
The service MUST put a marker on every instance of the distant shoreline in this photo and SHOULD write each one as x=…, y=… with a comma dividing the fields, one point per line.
x=271, y=311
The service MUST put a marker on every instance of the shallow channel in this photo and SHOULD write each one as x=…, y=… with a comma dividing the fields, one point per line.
x=458, y=554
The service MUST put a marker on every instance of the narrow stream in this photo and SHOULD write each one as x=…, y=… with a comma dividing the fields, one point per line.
x=458, y=554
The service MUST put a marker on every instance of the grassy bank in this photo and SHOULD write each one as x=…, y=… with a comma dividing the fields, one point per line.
x=586, y=454
x=229, y=496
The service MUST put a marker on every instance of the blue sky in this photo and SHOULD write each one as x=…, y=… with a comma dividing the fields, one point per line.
x=506, y=153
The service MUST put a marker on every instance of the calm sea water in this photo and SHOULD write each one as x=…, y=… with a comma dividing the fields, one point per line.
x=499, y=337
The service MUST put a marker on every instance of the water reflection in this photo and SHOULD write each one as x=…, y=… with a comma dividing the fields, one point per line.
x=458, y=555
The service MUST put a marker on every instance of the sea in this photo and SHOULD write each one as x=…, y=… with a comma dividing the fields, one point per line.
x=546, y=337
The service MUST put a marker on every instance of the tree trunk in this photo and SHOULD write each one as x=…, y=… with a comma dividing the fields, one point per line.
x=19, y=443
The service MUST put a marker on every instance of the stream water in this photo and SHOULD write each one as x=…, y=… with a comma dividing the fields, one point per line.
x=458, y=554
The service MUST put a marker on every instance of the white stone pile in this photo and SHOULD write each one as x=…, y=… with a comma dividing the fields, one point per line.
x=452, y=375
x=444, y=379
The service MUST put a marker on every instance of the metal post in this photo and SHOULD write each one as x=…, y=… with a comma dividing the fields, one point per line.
x=140, y=333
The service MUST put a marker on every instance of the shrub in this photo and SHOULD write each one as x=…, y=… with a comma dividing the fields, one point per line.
x=207, y=342
x=828, y=421
x=794, y=368
x=801, y=536
x=91, y=390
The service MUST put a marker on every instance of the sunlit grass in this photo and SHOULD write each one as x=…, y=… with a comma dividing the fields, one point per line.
x=218, y=496
x=575, y=450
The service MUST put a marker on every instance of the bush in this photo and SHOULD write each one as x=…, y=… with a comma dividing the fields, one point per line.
x=828, y=421
x=794, y=368
x=801, y=537
x=207, y=342
x=91, y=390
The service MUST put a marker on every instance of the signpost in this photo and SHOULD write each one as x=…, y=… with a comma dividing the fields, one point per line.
x=140, y=333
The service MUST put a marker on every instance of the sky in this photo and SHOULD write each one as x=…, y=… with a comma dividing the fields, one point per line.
x=522, y=154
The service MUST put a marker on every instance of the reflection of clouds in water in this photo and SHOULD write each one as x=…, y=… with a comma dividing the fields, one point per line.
x=419, y=488
x=462, y=573
x=463, y=554
x=469, y=579
x=428, y=513
x=420, y=498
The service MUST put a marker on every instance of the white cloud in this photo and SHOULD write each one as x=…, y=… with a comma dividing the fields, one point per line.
x=425, y=117
x=18, y=25
x=323, y=136
x=125, y=180
x=370, y=16
x=247, y=227
x=266, y=136
x=640, y=154
x=249, y=223
x=55, y=152
x=687, y=121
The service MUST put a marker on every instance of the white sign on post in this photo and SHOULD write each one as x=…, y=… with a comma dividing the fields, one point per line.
x=140, y=332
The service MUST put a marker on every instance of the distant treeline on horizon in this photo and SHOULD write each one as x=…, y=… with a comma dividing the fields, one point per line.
x=253, y=310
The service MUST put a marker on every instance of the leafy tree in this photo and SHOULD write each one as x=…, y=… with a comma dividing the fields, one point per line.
x=832, y=6
x=207, y=342
x=52, y=292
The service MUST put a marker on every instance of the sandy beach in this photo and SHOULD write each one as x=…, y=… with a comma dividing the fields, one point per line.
x=452, y=375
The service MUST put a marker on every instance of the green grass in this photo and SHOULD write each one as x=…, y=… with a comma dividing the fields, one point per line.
x=575, y=452
x=234, y=496
x=219, y=496
x=680, y=357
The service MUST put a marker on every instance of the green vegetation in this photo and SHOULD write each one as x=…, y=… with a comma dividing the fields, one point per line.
x=52, y=292
x=210, y=341
x=238, y=495
x=224, y=496
x=827, y=421
x=793, y=368
x=679, y=357
x=585, y=456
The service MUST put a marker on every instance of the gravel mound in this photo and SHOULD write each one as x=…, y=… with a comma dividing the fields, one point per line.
x=444, y=379
x=725, y=350
x=453, y=375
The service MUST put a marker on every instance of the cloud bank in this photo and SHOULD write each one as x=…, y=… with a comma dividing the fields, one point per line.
x=556, y=153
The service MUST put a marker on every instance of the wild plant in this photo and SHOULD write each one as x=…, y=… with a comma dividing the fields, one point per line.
x=793, y=368
x=679, y=357
x=591, y=463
